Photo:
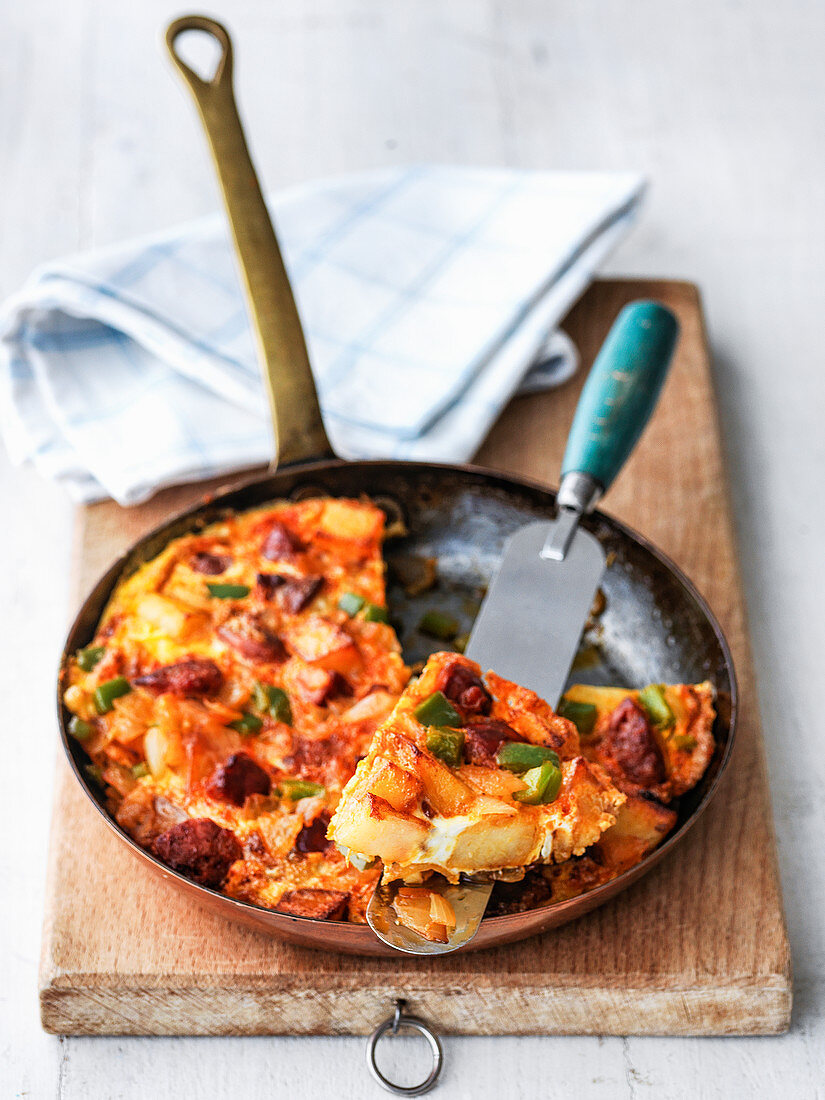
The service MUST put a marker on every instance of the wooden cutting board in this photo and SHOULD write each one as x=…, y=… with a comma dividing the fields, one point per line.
x=698, y=947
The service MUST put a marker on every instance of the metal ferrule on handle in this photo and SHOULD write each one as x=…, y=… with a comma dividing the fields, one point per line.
x=577, y=495
x=616, y=403
x=296, y=414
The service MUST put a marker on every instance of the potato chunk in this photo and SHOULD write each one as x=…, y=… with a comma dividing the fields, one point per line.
x=371, y=827
x=352, y=520
x=395, y=785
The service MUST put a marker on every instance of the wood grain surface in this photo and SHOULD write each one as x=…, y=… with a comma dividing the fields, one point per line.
x=698, y=947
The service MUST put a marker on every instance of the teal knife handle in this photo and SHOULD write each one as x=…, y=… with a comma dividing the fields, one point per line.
x=621, y=391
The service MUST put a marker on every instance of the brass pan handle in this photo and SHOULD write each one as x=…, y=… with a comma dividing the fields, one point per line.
x=296, y=415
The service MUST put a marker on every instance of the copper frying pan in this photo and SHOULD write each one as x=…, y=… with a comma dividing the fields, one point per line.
x=656, y=626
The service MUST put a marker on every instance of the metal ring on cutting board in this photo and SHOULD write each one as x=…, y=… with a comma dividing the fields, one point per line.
x=392, y=1024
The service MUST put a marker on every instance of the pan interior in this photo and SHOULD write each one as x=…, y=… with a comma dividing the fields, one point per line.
x=654, y=626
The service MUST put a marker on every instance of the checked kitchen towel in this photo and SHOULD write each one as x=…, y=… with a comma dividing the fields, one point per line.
x=429, y=295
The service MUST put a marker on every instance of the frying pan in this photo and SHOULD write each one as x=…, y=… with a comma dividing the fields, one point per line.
x=655, y=626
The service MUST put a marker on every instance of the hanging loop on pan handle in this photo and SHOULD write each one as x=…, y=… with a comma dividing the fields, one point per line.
x=296, y=414
x=400, y=1019
x=615, y=405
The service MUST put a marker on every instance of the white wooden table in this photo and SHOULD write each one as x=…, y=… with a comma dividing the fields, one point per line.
x=721, y=103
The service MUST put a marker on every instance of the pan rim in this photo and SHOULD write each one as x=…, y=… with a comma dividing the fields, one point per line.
x=506, y=480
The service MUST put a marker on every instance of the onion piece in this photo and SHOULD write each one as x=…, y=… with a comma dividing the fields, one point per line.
x=441, y=911
x=425, y=912
x=156, y=750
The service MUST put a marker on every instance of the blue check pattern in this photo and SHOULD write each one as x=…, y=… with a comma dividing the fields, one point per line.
x=429, y=295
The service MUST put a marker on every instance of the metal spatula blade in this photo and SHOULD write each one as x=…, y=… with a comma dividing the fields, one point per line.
x=538, y=602
x=533, y=615
x=468, y=898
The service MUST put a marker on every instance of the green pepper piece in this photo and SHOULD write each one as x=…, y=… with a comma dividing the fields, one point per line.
x=106, y=693
x=439, y=625
x=295, y=789
x=247, y=724
x=447, y=745
x=79, y=729
x=351, y=603
x=90, y=656
x=228, y=591
x=582, y=715
x=141, y=769
x=542, y=785
x=519, y=756
x=94, y=772
x=273, y=701
x=684, y=741
x=375, y=613
x=652, y=699
x=436, y=710
x=280, y=707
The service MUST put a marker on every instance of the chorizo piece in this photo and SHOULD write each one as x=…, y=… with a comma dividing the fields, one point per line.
x=268, y=584
x=212, y=565
x=483, y=737
x=313, y=838
x=199, y=849
x=462, y=687
x=237, y=778
x=318, y=904
x=252, y=639
x=195, y=676
x=329, y=760
x=631, y=744
x=281, y=544
x=295, y=593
